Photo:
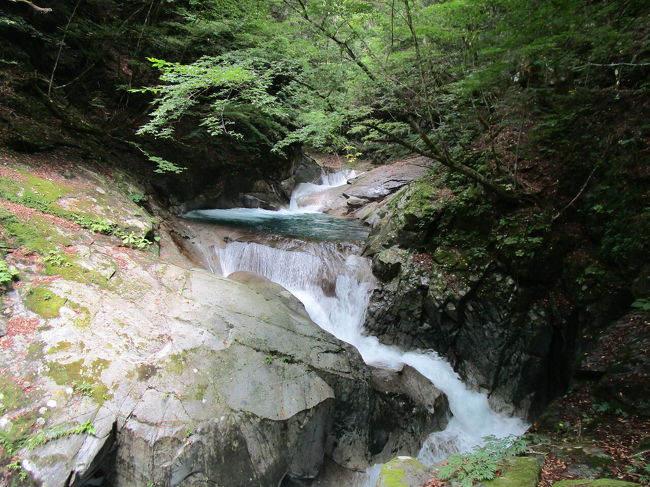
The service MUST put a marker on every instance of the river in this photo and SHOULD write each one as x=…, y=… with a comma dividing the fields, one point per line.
x=317, y=258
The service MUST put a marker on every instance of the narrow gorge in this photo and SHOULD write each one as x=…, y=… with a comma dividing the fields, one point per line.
x=324, y=243
x=334, y=282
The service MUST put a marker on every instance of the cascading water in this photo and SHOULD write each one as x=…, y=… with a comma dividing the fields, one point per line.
x=334, y=283
x=300, y=198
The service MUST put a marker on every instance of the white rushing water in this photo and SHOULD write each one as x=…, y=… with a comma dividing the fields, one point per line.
x=334, y=284
x=302, y=198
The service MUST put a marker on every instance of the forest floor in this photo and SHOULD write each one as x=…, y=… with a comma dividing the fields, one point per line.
x=602, y=424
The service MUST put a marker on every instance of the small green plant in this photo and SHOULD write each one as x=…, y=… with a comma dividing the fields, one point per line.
x=82, y=388
x=640, y=468
x=15, y=465
x=135, y=241
x=600, y=407
x=271, y=357
x=43, y=437
x=137, y=197
x=101, y=226
x=55, y=259
x=483, y=462
x=642, y=303
x=7, y=274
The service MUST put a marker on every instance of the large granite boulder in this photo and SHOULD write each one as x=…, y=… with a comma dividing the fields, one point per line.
x=365, y=197
x=122, y=368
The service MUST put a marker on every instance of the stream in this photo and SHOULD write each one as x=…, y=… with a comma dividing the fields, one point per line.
x=317, y=258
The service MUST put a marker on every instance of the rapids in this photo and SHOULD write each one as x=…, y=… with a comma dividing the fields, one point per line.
x=335, y=283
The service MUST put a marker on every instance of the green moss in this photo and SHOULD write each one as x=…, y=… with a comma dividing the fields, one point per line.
x=199, y=394
x=66, y=373
x=419, y=203
x=31, y=236
x=46, y=189
x=78, y=273
x=83, y=318
x=41, y=195
x=11, y=396
x=59, y=347
x=402, y=472
x=177, y=363
x=595, y=483
x=80, y=377
x=517, y=472
x=17, y=433
x=44, y=302
x=35, y=351
x=146, y=371
x=393, y=477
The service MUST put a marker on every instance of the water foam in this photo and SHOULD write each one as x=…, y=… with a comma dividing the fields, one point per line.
x=304, y=197
x=335, y=283
x=307, y=272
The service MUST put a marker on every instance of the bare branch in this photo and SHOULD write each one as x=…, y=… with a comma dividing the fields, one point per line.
x=40, y=10
x=610, y=65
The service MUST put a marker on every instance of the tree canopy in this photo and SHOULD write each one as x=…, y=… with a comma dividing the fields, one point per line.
x=423, y=75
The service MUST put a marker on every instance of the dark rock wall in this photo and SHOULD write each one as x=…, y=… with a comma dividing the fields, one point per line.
x=513, y=328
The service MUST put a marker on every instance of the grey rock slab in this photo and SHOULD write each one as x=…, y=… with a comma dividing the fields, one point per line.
x=374, y=185
x=197, y=371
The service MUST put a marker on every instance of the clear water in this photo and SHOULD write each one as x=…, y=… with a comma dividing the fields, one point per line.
x=335, y=283
x=303, y=217
x=312, y=226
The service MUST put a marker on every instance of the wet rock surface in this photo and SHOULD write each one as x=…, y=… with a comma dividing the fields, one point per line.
x=126, y=369
x=366, y=196
x=503, y=332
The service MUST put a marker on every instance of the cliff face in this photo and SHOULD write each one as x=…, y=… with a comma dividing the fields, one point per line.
x=124, y=363
x=507, y=296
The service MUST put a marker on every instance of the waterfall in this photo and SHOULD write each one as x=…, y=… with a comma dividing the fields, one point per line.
x=335, y=283
x=309, y=273
x=302, y=198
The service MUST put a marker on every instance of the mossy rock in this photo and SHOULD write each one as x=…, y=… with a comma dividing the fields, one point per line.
x=595, y=483
x=584, y=459
x=403, y=472
x=44, y=302
x=30, y=139
x=517, y=472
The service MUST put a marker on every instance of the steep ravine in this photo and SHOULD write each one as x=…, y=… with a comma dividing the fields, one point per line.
x=335, y=282
x=121, y=368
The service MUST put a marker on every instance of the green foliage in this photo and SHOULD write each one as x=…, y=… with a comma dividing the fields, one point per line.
x=520, y=236
x=83, y=388
x=271, y=357
x=222, y=83
x=483, y=462
x=642, y=304
x=137, y=197
x=135, y=241
x=25, y=438
x=17, y=467
x=42, y=301
x=7, y=274
x=61, y=431
x=54, y=258
x=640, y=468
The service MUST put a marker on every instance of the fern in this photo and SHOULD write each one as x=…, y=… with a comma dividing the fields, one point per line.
x=483, y=462
x=7, y=274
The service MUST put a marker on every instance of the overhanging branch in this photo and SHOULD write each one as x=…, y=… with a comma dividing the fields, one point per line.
x=41, y=10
